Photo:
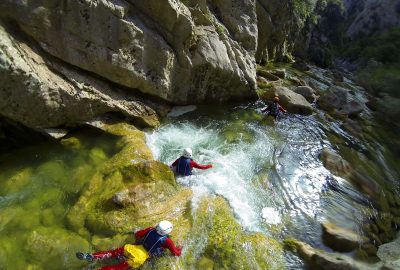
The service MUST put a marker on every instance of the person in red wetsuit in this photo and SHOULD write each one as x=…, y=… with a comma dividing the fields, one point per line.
x=185, y=164
x=151, y=243
x=274, y=108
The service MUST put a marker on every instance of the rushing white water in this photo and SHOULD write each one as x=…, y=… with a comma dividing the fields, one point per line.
x=266, y=172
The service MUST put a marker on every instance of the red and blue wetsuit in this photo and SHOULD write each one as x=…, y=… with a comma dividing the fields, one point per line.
x=184, y=166
x=152, y=245
x=273, y=109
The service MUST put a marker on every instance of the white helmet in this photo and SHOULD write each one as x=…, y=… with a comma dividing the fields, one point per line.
x=187, y=153
x=164, y=227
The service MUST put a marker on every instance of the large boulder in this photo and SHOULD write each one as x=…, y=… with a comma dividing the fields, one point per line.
x=130, y=190
x=179, y=51
x=341, y=239
x=390, y=254
x=307, y=92
x=293, y=102
x=29, y=84
x=338, y=102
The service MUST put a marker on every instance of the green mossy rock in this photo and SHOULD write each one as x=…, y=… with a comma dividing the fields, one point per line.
x=54, y=247
x=16, y=183
x=11, y=254
x=54, y=171
x=97, y=156
x=227, y=243
x=106, y=243
x=72, y=142
x=205, y=263
x=237, y=132
x=112, y=201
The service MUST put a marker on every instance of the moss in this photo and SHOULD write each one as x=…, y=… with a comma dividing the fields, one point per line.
x=290, y=244
x=17, y=182
x=220, y=29
x=228, y=245
x=52, y=247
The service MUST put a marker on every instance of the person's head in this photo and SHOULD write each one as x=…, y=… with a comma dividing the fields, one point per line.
x=164, y=227
x=187, y=153
x=276, y=99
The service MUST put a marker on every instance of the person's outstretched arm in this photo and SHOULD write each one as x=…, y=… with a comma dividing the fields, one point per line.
x=193, y=164
x=282, y=109
x=176, y=251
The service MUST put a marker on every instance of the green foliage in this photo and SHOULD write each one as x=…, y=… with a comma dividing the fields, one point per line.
x=382, y=78
x=220, y=29
x=302, y=9
x=383, y=47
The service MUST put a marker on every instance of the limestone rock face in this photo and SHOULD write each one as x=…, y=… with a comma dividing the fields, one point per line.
x=179, y=53
x=371, y=15
x=32, y=94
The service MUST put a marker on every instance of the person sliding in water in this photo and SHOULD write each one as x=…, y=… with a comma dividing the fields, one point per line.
x=185, y=164
x=274, y=108
x=151, y=243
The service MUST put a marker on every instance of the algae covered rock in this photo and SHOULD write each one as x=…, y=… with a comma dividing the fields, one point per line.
x=53, y=247
x=129, y=190
x=227, y=245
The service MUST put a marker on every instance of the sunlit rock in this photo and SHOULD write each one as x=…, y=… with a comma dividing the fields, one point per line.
x=341, y=239
x=291, y=101
x=306, y=92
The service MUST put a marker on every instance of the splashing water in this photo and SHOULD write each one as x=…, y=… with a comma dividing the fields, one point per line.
x=270, y=174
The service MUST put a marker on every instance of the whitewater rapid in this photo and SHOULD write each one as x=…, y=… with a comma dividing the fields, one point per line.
x=275, y=175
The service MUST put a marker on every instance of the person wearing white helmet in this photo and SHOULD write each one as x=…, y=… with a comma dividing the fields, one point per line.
x=151, y=242
x=185, y=164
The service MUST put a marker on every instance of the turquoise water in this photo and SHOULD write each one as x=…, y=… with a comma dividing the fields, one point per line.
x=38, y=185
x=270, y=174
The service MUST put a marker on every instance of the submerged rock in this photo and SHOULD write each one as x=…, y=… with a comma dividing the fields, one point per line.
x=53, y=247
x=335, y=163
x=341, y=239
x=322, y=260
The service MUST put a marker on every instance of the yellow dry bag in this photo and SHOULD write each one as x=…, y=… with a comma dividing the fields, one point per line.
x=136, y=255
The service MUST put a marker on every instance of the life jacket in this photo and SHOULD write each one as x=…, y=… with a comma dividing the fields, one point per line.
x=183, y=167
x=152, y=243
x=274, y=109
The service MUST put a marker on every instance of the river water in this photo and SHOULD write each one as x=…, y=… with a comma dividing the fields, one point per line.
x=270, y=173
